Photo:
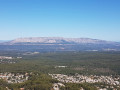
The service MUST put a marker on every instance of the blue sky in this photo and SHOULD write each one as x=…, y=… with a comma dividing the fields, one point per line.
x=98, y=19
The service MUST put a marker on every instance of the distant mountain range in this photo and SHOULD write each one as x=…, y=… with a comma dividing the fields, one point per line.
x=56, y=40
x=60, y=44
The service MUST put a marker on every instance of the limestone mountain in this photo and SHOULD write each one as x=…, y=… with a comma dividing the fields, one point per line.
x=50, y=44
x=56, y=40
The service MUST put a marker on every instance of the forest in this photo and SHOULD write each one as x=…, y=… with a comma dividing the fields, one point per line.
x=85, y=63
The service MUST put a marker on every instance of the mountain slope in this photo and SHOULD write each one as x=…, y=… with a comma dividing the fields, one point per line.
x=48, y=44
x=57, y=40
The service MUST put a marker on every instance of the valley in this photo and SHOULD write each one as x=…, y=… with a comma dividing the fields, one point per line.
x=70, y=66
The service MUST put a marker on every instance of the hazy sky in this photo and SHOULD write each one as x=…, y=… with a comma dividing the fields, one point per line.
x=98, y=19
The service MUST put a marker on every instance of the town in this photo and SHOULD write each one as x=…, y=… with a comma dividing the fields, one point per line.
x=8, y=60
x=5, y=57
x=84, y=78
x=108, y=80
x=14, y=78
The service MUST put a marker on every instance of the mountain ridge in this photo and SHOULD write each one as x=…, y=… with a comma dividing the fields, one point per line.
x=57, y=40
x=50, y=44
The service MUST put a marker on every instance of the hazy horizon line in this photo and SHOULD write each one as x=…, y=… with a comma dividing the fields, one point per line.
x=2, y=40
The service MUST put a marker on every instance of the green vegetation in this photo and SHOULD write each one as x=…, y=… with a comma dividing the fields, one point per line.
x=72, y=86
x=3, y=84
x=36, y=81
x=39, y=81
x=96, y=63
x=105, y=63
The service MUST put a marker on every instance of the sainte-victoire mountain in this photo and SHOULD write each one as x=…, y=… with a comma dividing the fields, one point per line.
x=57, y=40
x=59, y=44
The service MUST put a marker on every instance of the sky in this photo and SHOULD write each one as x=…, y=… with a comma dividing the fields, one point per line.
x=97, y=19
